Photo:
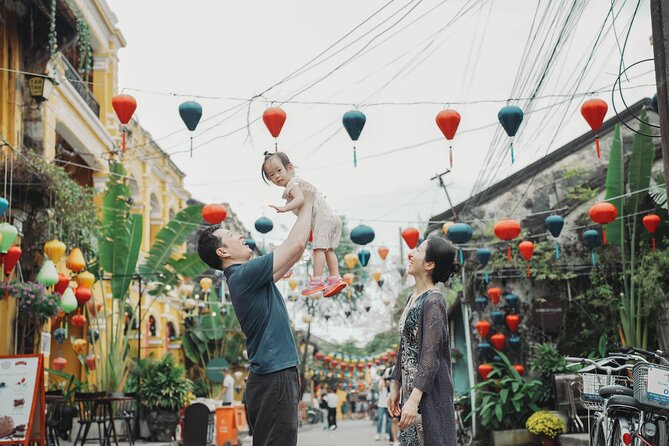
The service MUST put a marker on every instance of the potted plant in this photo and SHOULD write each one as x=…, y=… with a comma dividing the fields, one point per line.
x=505, y=400
x=65, y=387
x=545, y=362
x=546, y=426
x=163, y=390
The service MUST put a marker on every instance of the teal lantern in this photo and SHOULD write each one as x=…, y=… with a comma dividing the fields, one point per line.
x=481, y=302
x=498, y=318
x=510, y=117
x=251, y=244
x=354, y=121
x=460, y=233
x=362, y=234
x=593, y=240
x=190, y=112
x=264, y=225
x=48, y=274
x=512, y=300
x=554, y=224
x=364, y=256
x=9, y=234
x=4, y=204
x=483, y=256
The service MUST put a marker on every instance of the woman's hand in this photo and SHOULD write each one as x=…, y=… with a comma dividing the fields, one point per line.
x=394, y=400
x=409, y=412
x=279, y=209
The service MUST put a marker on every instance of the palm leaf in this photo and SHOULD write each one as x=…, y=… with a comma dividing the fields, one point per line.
x=169, y=237
x=641, y=164
x=189, y=265
x=124, y=264
x=115, y=211
x=659, y=195
x=615, y=188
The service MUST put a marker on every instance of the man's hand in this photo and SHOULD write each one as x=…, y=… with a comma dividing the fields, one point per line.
x=394, y=401
x=308, y=190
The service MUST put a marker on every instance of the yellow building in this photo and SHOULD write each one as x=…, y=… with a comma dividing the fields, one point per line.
x=77, y=128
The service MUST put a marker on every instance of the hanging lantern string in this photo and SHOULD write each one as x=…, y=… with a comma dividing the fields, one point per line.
x=11, y=185
x=513, y=157
x=355, y=157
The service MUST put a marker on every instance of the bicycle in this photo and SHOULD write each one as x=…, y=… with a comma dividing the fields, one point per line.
x=464, y=433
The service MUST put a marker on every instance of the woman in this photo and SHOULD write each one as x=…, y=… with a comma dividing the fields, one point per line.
x=423, y=369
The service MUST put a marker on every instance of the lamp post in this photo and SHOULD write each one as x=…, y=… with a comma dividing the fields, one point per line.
x=41, y=87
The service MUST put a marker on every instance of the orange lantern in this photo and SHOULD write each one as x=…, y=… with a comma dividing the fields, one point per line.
x=484, y=370
x=603, y=213
x=383, y=252
x=494, y=294
x=594, y=111
x=349, y=278
x=75, y=261
x=507, y=230
x=651, y=222
x=79, y=346
x=483, y=327
x=448, y=121
x=83, y=295
x=513, y=320
x=85, y=279
x=526, y=249
x=124, y=105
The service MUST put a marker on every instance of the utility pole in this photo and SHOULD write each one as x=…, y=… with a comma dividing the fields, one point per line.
x=659, y=14
x=439, y=178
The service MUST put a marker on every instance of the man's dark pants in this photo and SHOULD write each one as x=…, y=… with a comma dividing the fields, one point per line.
x=332, y=416
x=272, y=407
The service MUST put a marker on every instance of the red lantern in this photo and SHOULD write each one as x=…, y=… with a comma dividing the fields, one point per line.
x=274, y=119
x=318, y=355
x=90, y=361
x=59, y=363
x=603, y=213
x=62, y=284
x=10, y=260
x=124, y=106
x=214, y=213
x=484, y=370
x=650, y=222
x=513, y=320
x=335, y=363
x=93, y=307
x=494, y=294
x=342, y=366
x=83, y=295
x=377, y=361
x=361, y=366
x=392, y=353
x=507, y=230
x=526, y=249
x=448, y=122
x=498, y=340
x=78, y=320
x=594, y=111
x=483, y=327
x=520, y=369
x=410, y=236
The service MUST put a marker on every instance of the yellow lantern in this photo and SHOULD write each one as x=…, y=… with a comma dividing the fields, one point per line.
x=190, y=304
x=351, y=260
x=54, y=250
x=292, y=283
x=205, y=284
x=306, y=318
x=376, y=275
x=186, y=289
x=85, y=279
x=446, y=225
x=349, y=278
x=75, y=261
x=79, y=346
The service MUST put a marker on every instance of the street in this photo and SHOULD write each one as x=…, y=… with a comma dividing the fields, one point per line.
x=348, y=432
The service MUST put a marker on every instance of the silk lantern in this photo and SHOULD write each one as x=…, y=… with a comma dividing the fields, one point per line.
x=264, y=225
x=603, y=213
x=364, y=256
x=448, y=121
x=513, y=320
x=498, y=340
x=8, y=234
x=82, y=294
x=651, y=222
x=511, y=300
x=494, y=294
x=514, y=343
x=214, y=213
x=205, y=284
x=483, y=327
x=591, y=238
x=60, y=335
x=10, y=259
x=4, y=205
x=481, y=302
x=594, y=111
x=520, y=369
x=510, y=117
x=47, y=275
x=507, y=230
x=75, y=261
x=410, y=236
x=91, y=361
x=190, y=112
x=498, y=318
x=68, y=302
x=362, y=235
x=78, y=320
x=383, y=252
x=526, y=249
x=460, y=233
x=484, y=370
x=124, y=105
x=85, y=279
x=54, y=250
x=349, y=278
x=59, y=363
x=351, y=260
x=554, y=224
x=485, y=349
x=354, y=121
x=62, y=284
x=483, y=256
x=274, y=118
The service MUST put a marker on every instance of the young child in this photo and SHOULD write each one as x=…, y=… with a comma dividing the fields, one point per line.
x=325, y=223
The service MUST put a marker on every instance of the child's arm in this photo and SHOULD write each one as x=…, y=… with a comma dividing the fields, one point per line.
x=296, y=202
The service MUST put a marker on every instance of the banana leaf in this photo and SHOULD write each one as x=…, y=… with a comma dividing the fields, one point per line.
x=125, y=262
x=115, y=212
x=212, y=327
x=169, y=237
x=190, y=348
x=189, y=265
x=615, y=187
x=641, y=164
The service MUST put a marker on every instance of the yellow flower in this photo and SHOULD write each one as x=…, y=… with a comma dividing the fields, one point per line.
x=545, y=423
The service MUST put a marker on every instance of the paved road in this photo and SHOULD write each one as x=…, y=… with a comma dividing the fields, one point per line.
x=348, y=433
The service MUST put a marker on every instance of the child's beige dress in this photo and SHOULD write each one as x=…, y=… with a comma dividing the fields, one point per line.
x=325, y=223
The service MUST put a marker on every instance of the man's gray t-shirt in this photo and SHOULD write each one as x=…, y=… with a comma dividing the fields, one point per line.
x=262, y=315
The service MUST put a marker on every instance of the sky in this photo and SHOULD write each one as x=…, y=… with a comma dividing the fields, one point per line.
x=399, y=62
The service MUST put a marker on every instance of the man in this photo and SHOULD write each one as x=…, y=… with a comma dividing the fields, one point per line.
x=228, y=387
x=382, y=413
x=272, y=392
x=332, y=400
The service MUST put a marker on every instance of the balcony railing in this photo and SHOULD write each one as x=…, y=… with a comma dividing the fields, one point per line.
x=82, y=88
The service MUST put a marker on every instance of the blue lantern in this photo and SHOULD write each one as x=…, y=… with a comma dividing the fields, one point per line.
x=460, y=233
x=190, y=112
x=354, y=121
x=364, y=256
x=4, y=204
x=60, y=335
x=483, y=256
x=554, y=224
x=481, y=302
x=362, y=234
x=498, y=318
x=264, y=225
x=592, y=239
x=514, y=343
x=484, y=351
x=251, y=244
x=496, y=358
x=511, y=300
x=93, y=336
x=510, y=117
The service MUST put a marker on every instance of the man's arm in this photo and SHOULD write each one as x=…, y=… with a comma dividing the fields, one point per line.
x=291, y=250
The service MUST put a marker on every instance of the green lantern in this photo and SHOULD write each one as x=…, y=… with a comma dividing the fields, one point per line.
x=68, y=302
x=47, y=275
x=8, y=233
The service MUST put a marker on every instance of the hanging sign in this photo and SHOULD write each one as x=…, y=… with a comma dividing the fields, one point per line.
x=22, y=403
x=547, y=313
x=658, y=384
